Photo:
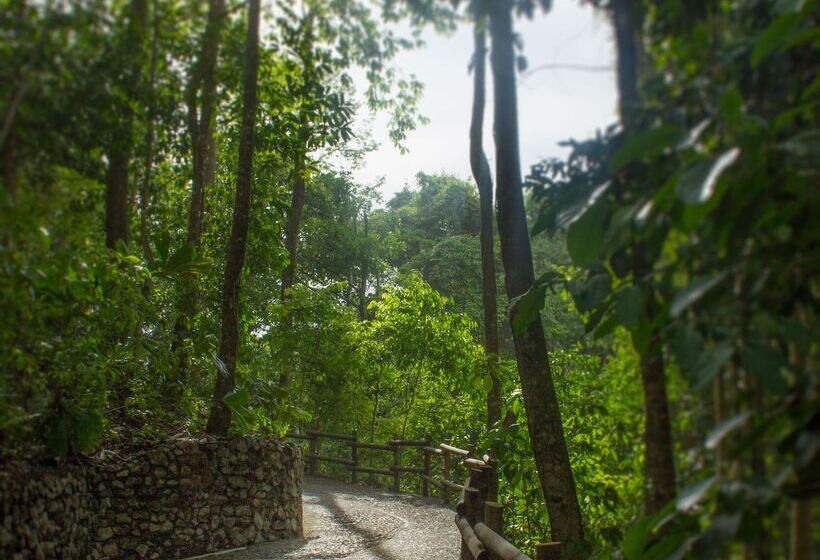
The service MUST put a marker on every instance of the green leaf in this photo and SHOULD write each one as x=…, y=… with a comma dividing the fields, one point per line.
x=647, y=144
x=526, y=308
x=765, y=364
x=693, y=292
x=488, y=383
x=717, y=536
x=710, y=362
x=629, y=305
x=237, y=399
x=694, y=494
x=588, y=294
x=58, y=436
x=725, y=428
x=87, y=426
x=697, y=183
x=586, y=235
x=775, y=37
x=731, y=104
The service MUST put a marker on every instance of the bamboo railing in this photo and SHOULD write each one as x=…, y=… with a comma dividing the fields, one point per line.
x=479, y=516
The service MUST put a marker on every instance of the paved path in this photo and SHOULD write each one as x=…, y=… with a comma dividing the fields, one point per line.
x=362, y=523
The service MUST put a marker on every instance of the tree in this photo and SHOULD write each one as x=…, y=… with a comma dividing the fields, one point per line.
x=544, y=417
x=203, y=77
x=219, y=420
x=659, y=460
x=128, y=67
x=483, y=178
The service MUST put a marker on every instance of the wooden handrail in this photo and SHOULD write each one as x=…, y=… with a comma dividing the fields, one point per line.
x=497, y=544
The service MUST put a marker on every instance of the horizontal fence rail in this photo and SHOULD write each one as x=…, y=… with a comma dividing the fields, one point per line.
x=479, y=517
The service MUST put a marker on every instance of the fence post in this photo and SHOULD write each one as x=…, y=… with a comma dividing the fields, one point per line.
x=548, y=551
x=494, y=519
x=494, y=516
x=492, y=479
x=396, y=464
x=354, y=456
x=425, y=481
x=314, y=450
x=445, y=491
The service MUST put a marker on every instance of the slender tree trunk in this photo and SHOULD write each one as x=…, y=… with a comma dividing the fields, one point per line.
x=297, y=204
x=543, y=415
x=220, y=418
x=203, y=156
x=116, y=197
x=484, y=181
x=365, y=273
x=659, y=462
x=10, y=180
x=118, y=151
x=148, y=166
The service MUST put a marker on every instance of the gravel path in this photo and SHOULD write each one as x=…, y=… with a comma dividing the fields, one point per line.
x=362, y=523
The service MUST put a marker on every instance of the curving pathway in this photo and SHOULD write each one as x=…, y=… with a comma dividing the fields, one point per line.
x=363, y=523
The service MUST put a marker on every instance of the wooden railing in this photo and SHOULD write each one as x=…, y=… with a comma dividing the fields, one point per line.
x=479, y=516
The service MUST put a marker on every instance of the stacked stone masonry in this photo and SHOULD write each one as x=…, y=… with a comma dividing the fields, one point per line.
x=179, y=498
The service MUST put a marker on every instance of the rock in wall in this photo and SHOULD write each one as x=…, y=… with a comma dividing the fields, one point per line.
x=178, y=498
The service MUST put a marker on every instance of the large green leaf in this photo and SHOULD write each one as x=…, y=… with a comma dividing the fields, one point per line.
x=694, y=494
x=697, y=183
x=693, y=292
x=586, y=235
x=526, y=308
x=629, y=305
x=87, y=426
x=775, y=37
x=765, y=364
x=725, y=428
x=645, y=145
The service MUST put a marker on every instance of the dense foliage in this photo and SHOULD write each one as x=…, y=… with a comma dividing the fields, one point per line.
x=684, y=236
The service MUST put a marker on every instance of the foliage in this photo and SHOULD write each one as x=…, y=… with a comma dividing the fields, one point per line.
x=714, y=193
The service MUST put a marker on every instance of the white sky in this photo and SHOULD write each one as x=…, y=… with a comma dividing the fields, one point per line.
x=554, y=104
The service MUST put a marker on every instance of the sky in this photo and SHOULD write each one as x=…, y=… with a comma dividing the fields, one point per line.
x=554, y=104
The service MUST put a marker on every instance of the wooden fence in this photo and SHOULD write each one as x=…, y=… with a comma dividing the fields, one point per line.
x=479, y=516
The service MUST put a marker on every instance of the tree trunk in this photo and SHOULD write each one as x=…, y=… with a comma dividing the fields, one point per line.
x=659, y=463
x=659, y=460
x=484, y=181
x=543, y=416
x=801, y=540
x=220, y=418
x=365, y=273
x=203, y=156
x=116, y=197
x=297, y=203
x=10, y=180
x=148, y=166
x=118, y=151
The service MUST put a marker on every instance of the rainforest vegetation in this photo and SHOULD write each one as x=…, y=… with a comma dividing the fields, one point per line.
x=632, y=331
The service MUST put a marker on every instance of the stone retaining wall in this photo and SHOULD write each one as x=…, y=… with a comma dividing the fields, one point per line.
x=179, y=498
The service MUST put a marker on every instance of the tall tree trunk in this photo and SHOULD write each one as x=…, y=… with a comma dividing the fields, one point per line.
x=118, y=151
x=220, y=417
x=543, y=416
x=9, y=162
x=484, y=181
x=365, y=272
x=116, y=197
x=203, y=156
x=659, y=461
x=148, y=164
x=297, y=204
